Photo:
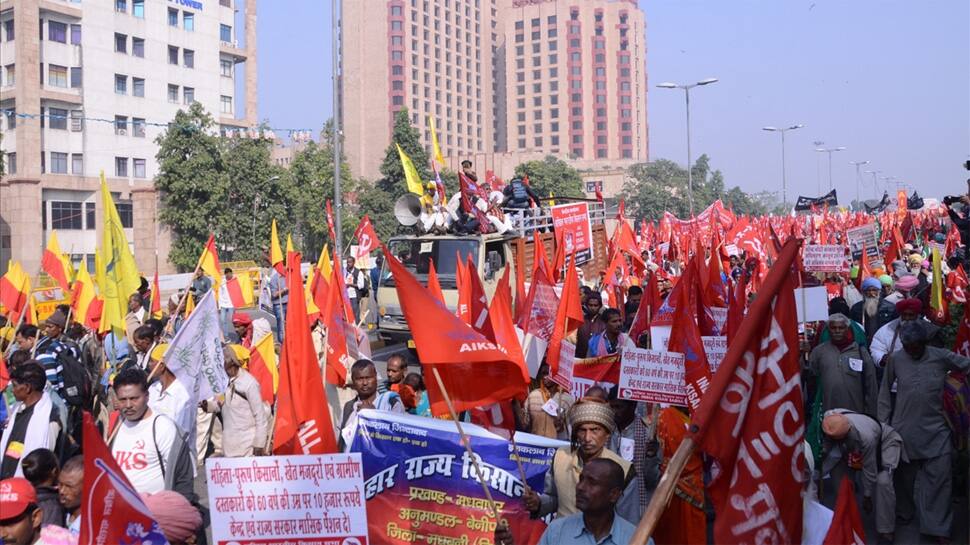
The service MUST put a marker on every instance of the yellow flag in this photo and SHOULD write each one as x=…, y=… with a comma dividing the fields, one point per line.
x=100, y=275
x=209, y=264
x=323, y=267
x=189, y=305
x=434, y=143
x=410, y=173
x=936, y=289
x=289, y=244
x=275, y=253
x=121, y=273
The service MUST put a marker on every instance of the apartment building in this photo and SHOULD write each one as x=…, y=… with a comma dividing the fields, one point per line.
x=87, y=87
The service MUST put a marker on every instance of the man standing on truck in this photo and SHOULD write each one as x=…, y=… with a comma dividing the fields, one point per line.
x=518, y=195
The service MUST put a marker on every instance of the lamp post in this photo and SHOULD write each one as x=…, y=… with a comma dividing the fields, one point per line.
x=858, y=178
x=338, y=204
x=687, y=87
x=818, y=167
x=255, y=203
x=875, y=187
x=784, y=180
x=830, y=151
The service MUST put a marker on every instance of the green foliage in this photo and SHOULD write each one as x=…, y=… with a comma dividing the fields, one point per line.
x=661, y=185
x=409, y=138
x=552, y=177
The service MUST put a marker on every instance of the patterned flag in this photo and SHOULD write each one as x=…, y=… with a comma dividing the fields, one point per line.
x=195, y=354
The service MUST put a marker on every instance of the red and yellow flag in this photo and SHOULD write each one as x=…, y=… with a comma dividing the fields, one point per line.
x=83, y=294
x=14, y=290
x=55, y=264
x=209, y=262
x=240, y=288
x=189, y=304
x=156, y=304
x=262, y=365
x=275, y=252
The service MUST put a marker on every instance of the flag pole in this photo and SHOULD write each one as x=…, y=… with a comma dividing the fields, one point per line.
x=665, y=490
x=468, y=446
x=20, y=322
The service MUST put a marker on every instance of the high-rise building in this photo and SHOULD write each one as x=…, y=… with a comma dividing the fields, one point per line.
x=576, y=78
x=432, y=56
x=92, y=94
x=500, y=77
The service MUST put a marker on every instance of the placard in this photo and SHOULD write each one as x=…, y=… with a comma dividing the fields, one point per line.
x=864, y=235
x=279, y=500
x=825, y=258
x=573, y=230
x=564, y=373
x=812, y=304
x=715, y=348
x=652, y=376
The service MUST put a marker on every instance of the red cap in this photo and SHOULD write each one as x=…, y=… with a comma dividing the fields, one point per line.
x=15, y=495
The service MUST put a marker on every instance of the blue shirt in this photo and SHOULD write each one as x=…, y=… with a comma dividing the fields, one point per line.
x=277, y=282
x=572, y=530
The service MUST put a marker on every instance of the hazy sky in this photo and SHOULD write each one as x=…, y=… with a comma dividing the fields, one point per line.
x=889, y=80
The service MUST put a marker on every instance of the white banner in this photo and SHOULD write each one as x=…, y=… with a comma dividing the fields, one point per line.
x=652, y=376
x=195, y=354
x=715, y=348
x=824, y=258
x=272, y=500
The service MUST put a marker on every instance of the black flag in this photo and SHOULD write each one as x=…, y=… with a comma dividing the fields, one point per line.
x=806, y=203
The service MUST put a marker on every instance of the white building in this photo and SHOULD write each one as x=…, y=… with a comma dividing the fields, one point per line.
x=92, y=94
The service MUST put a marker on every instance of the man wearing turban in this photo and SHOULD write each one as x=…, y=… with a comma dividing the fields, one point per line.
x=886, y=340
x=873, y=311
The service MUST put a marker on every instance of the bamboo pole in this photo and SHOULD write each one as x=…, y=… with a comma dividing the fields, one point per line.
x=468, y=447
x=665, y=490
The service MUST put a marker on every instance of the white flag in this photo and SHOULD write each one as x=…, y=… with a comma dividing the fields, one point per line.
x=195, y=355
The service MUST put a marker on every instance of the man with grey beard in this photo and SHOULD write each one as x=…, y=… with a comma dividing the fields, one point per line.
x=873, y=311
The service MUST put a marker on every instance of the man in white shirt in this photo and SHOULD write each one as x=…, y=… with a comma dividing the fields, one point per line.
x=149, y=447
x=244, y=420
x=167, y=395
x=356, y=282
x=226, y=308
x=70, y=482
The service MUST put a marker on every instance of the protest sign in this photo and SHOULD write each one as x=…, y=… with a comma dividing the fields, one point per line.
x=824, y=258
x=421, y=487
x=564, y=373
x=715, y=347
x=573, y=229
x=274, y=500
x=812, y=304
x=587, y=372
x=195, y=354
x=864, y=235
x=653, y=376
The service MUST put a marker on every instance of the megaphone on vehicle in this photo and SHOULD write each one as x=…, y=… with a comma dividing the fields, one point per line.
x=407, y=209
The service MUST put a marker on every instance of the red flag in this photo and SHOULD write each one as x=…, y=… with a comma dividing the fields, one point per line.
x=448, y=345
x=865, y=271
x=110, y=506
x=156, y=303
x=961, y=345
x=685, y=337
x=649, y=304
x=952, y=240
x=498, y=418
x=462, y=285
x=569, y=316
x=434, y=286
x=303, y=423
x=736, y=307
x=366, y=237
x=320, y=288
x=478, y=307
x=957, y=284
x=235, y=293
x=846, y=528
x=751, y=420
x=338, y=359
x=519, y=282
x=262, y=366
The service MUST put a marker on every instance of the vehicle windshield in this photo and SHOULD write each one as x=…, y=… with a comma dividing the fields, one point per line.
x=416, y=254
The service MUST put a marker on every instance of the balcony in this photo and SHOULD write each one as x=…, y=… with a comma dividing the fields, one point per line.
x=233, y=50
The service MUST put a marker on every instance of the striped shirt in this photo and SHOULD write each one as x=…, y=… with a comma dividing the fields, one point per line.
x=46, y=355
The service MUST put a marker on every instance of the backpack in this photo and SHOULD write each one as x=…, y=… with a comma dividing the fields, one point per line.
x=365, y=291
x=77, y=388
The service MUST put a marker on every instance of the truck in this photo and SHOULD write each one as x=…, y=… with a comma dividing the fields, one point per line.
x=491, y=253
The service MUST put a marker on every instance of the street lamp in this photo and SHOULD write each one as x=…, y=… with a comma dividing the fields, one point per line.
x=830, y=151
x=256, y=202
x=784, y=181
x=687, y=87
x=875, y=188
x=858, y=177
x=818, y=168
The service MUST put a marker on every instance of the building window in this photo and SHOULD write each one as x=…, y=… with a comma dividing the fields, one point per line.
x=90, y=223
x=173, y=93
x=138, y=127
x=58, y=118
x=121, y=167
x=76, y=77
x=12, y=163
x=138, y=8
x=188, y=21
x=138, y=87
x=58, y=163
x=77, y=164
x=173, y=55
x=138, y=167
x=121, y=43
x=225, y=33
x=188, y=57
x=121, y=125
x=121, y=5
x=121, y=84
x=57, y=32
x=8, y=30
x=75, y=34
x=57, y=75
x=11, y=70
x=11, y=119
x=225, y=103
x=225, y=67
x=125, y=212
x=65, y=215
x=77, y=120
x=188, y=95
x=173, y=17
x=138, y=47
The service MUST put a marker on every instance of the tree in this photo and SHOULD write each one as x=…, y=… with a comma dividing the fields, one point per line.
x=258, y=192
x=192, y=182
x=552, y=177
x=409, y=138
